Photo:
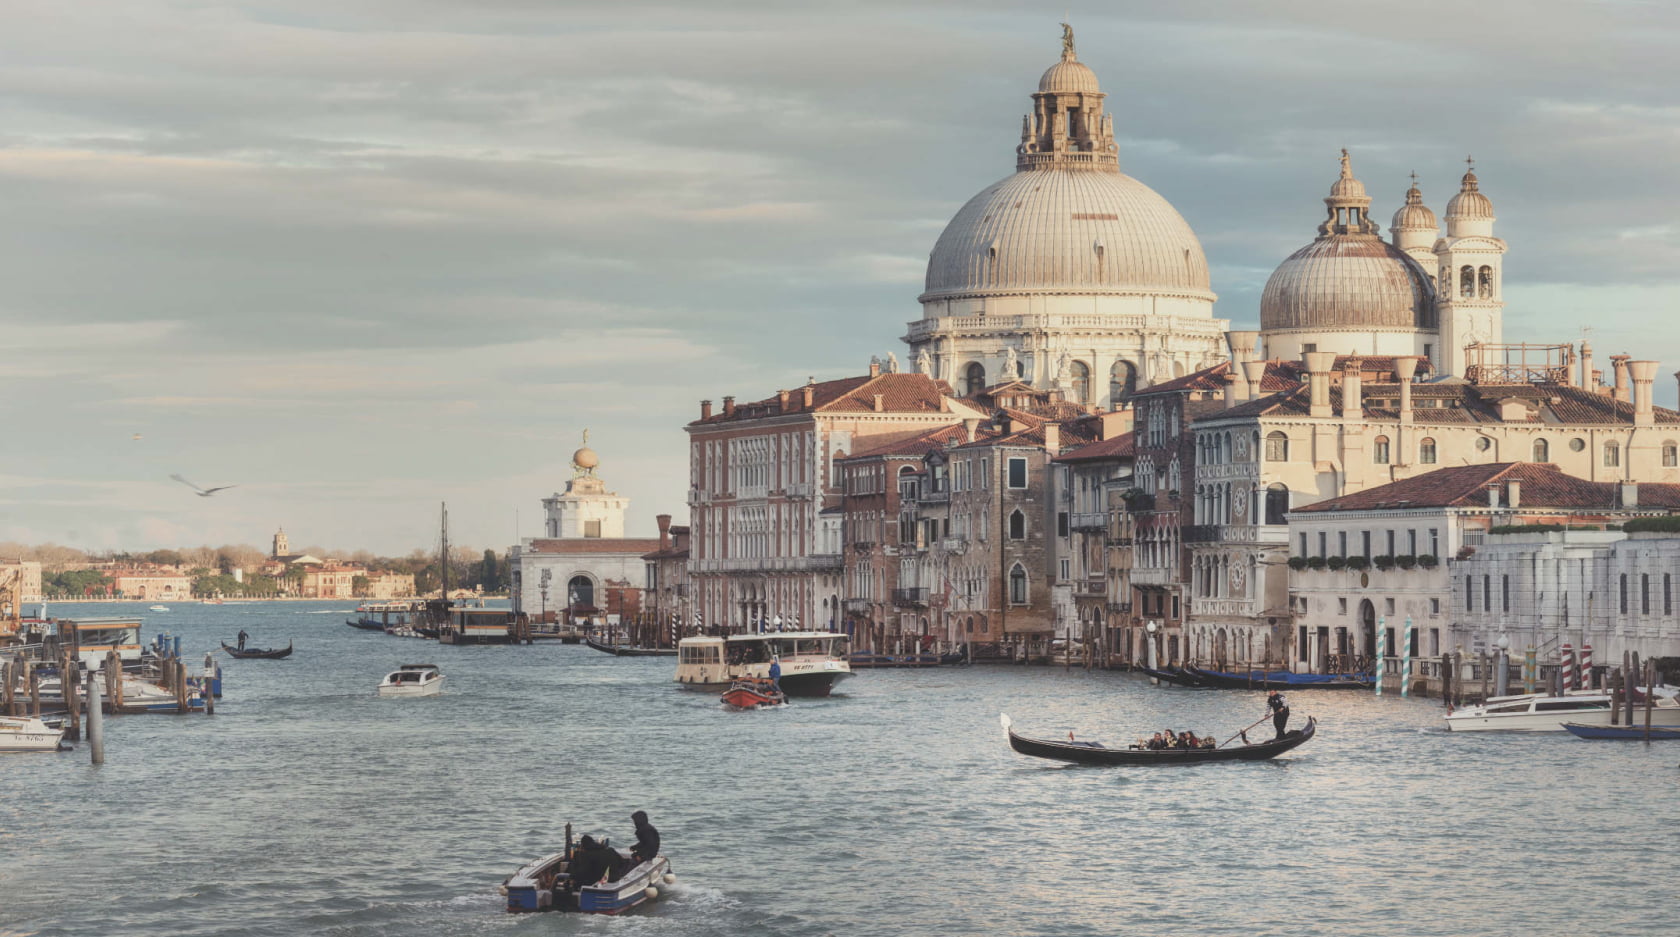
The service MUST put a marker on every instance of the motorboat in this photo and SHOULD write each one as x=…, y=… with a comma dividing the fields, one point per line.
x=812, y=662
x=1541, y=712
x=25, y=734
x=753, y=693
x=1636, y=732
x=412, y=680
x=159, y=608
x=545, y=884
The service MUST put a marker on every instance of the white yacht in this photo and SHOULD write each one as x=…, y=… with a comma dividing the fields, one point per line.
x=23, y=734
x=812, y=662
x=1540, y=712
x=412, y=680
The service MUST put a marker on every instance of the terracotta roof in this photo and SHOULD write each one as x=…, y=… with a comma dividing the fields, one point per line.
x=900, y=393
x=1549, y=404
x=593, y=545
x=1280, y=375
x=672, y=554
x=1119, y=447
x=1466, y=486
x=915, y=445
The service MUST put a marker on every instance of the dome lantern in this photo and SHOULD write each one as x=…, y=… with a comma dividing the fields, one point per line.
x=1470, y=212
x=1348, y=207
x=1067, y=128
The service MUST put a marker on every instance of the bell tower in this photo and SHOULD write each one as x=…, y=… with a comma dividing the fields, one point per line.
x=1470, y=296
x=281, y=547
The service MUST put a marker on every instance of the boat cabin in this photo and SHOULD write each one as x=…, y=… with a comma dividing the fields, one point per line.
x=94, y=638
x=811, y=661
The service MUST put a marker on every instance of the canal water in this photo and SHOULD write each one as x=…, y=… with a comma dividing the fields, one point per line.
x=305, y=805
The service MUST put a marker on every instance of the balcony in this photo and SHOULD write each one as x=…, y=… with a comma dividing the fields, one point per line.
x=910, y=598
x=858, y=606
x=800, y=491
x=935, y=497
x=1153, y=576
x=1119, y=606
x=1200, y=533
x=954, y=545
x=1234, y=533
x=1089, y=588
x=1090, y=520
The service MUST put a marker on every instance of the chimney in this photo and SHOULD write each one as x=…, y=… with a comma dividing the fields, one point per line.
x=1513, y=493
x=1644, y=375
x=1242, y=345
x=1352, y=402
x=1236, y=388
x=1630, y=494
x=706, y=408
x=1493, y=494
x=1254, y=375
x=880, y=404
x=1619, y=362
x=970, y=425
x=782, y=397
x=1587, y=373
x=729, y=406
x=1404, y=370
x=1005, y=423
x=1318, y=364
x=875, y=368
x=1053, y=439
x=664, y=522
x=1597, y=380
x=810, y=392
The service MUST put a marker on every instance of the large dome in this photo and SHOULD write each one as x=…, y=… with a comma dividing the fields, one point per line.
x=1067, y=231
x=1347, y=282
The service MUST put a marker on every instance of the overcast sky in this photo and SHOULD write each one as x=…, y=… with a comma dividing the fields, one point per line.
x=359, y=257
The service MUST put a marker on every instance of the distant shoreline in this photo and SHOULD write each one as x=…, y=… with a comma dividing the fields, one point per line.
x=107, y=600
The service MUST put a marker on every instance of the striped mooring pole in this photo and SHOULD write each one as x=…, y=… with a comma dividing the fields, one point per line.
x=1531, y=669
x=1406, y=661
x=1586, y=666
x=1382, y=651
x=1568, y=671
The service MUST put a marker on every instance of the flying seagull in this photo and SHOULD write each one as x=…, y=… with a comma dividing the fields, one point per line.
x=202, y=492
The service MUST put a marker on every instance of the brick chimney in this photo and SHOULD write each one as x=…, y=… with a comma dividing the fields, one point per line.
x=874, y=369
x=782, y=397
x=1513, y=492
x=1353, y=404
x=729, y=406
x=1318, y=364
x=1493, y=494
x=664, y=522
x=705, y=409
x=1644, y=376
x=810, y=393
x=880, y=404
x=1588, y=375
x=1619, y=362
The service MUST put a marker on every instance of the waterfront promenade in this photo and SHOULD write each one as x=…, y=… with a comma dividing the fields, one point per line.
x=308, y=806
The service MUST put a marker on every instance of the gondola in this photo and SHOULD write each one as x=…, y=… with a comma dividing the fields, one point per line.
x=258, y=653
x=1176, y=676
x=625, y=650
x=365, y=624
x=1279, y=680
x=1096, y=753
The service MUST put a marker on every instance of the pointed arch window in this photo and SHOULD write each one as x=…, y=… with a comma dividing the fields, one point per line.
x=1018, y=594
x=1017, y=526
x=1426, y=450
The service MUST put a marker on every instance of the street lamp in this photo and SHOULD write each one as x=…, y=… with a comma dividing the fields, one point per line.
x=543, y=581
x=1152, y=626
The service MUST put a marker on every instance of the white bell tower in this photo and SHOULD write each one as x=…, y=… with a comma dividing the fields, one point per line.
x=1470, y=294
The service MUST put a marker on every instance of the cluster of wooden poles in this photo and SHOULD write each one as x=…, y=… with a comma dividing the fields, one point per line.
x=1622, y=682
x=85, y=703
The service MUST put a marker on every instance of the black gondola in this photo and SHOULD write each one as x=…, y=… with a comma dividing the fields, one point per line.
x=1096, y=753
x=1279, y=680
x=625, y=650
x=1177, y=676
x=366, y=624
x=258, y=653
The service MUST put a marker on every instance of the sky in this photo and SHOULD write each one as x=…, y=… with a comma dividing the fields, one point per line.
x=359, y=258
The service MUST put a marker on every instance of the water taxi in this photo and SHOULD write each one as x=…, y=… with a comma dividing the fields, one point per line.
x=1539, y=712
x=412, y=680
x=812, y=662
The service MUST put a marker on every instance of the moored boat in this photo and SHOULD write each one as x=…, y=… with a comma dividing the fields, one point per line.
x=627, y=650
x=545, y=884
x=1540, y=712
x=25, y=734
x=753, y=693
x=1278, y=679
x=1096, y=753
x=812, y=662
x=1177, y=676
x=1636, y=732
x=412, y=680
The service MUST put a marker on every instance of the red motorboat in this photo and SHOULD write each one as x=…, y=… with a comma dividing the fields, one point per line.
x=753, y=693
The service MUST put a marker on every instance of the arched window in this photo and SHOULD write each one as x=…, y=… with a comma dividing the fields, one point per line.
x=1426, y=450
x=1670, y=454
x=1379, y=450
x=1277, y=446
x=1644, y=593
x=1122, y=382
x=1017, y=585
x=1612, y=457
x=975, y=378
x=1277, y=503
x=1017, y=526
x=1081, y=375
x=1484, y=282
x=1542, y=451
x=968, y=626
x=1624, y=593
x=1467, y=282
x=580, y=592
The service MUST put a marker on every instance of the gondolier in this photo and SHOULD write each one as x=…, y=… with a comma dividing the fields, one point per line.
x=1280, y=711
x=242, y=637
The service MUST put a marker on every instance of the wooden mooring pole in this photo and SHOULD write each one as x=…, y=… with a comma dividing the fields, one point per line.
x=95, y=719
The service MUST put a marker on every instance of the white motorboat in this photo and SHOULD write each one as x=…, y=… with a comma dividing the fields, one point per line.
x=23, y=734
x=412, y=680
x=1540, y=712
x=159, y=608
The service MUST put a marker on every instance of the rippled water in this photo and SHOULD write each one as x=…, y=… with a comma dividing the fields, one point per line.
x=308, y=806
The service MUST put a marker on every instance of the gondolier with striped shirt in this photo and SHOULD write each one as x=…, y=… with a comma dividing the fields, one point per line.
x=1280, y=711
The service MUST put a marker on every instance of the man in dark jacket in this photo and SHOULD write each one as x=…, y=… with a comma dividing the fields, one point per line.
x=647, y=839
x=592, y=861
x=1280, y=711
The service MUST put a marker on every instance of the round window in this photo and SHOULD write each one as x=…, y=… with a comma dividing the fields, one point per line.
x=1482, y=442
x=1577, y=444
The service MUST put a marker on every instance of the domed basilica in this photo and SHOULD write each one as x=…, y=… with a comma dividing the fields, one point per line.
x=1072, y=275
x=1068, y=274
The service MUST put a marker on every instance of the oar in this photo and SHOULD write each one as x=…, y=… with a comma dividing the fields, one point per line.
x=1256, y=722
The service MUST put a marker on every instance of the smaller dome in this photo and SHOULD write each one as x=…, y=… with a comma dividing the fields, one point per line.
x=1347, y=187
x=586, y=458
x=1414, y=214
x=1469, y=202
x=1069, y=75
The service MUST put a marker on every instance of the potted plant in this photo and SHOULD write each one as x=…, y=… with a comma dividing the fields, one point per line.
x=1465, y=553
x=1384, y=562
x=1336, y=562
x=1428, y=560
x=1406, y=562
x=1297, y=563
x=1315, y=562
x=1358, y=562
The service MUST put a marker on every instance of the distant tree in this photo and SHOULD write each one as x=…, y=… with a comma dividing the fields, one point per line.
x=163, y=557
x=77, y=582
x=358, y=586
x=490, y=573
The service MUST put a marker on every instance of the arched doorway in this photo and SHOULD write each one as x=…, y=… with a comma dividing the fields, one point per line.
x=1368, y=627
x=1122, y=382
x=580, y=592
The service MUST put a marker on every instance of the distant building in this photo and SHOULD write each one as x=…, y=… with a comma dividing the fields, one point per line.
x=667, y=607
x=331, y=581
x=21, y=579
x=385, y=586
x=150, y=583
x=585, y=566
